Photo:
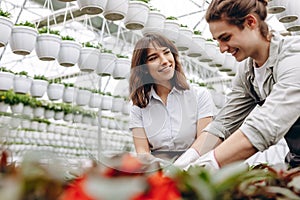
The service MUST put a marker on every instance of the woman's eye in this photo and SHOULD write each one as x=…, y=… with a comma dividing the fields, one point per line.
x=151, y=58
x=167, y=51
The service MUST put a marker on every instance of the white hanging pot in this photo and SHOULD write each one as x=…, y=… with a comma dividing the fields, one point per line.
x=92, y=7
x=197, y=45
x=117, y=104
x=47, y=46
x=69, y=94
x=210, y=51
x=106, y=102
x=184, y=38
x=115, y=10
x=95, y=100
x=49, y=114
x=106, y=64
x=83, y=97
x=55, y=91
x=6, y=81
x=22, y=84
x=42, y=127
x=137, y=15
x=88, y=59
x=77, y=118
x=27, y=110
x=68, y=117
x=3, y=107
x=59, y=115
x=38, y=88
x=275, y=6
x=34, y=125
x=17, y=108
x=104, y=122
x=291, y=13
x=126, y=108
x=122, y=68
x=5, y=28
x=86, y=120
x=39, y=112
x=171, y=29
x=23, y=39
x=69, y=53
x=25, y=124
x=155, y=23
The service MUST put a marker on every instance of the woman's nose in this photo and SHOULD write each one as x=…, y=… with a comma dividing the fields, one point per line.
x=163, y=59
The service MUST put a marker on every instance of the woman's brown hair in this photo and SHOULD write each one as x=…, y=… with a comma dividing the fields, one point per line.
x=140, y=81
x=236, y=11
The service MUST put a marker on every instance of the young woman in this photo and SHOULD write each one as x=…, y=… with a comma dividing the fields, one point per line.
x=264, y=105
x=167, y=114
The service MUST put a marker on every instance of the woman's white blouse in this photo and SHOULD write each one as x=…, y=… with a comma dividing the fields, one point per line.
x=172, y=126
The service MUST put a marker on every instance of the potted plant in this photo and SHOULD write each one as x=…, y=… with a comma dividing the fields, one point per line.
x=92, y=7
x=83, y=96
x=106, y=101
x=210, y=51
x=115, y=10
x=59, y=112
x=55, y=89
x=117, y=103
x=95, y=99
x=49, y=110
x=69, y=93
x=155, y=22
x=196, y=48
x=137, y=14
x=5, y=27
x=6, y=79
x=23, y=38
x=47, y=44
x=77, y=114
x=69, y=51
x=122, y=67
x=171, y=28
x=68, y=112
x=39, y=86
x=184, y=38
x=106, y=63
x=22, y=82
x=89, y=57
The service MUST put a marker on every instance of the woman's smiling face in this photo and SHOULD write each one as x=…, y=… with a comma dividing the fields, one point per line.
x=160, y=62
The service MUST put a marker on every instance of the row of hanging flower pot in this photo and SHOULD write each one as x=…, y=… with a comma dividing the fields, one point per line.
x=39, y=85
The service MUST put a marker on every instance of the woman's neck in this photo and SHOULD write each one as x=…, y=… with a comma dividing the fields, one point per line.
x=162, y=91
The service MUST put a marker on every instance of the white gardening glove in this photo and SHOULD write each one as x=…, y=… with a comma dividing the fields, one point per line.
x=186, y=158
x=208, y=160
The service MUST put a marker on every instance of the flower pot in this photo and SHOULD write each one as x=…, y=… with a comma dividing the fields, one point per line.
x=92, y=7
x=86, y=120
x=115, y=10
x=39, y=112
x=5, y=28
x=22, y=84
x=88, y=59
x=42, y=127
x=171, y=28
x=117, y=104
x=275, y=6
x=95, y=100
x=210, y=52
x=291, y=13
x=126, y=108
x=23, y=39
x=25, y=124
x=68, y=117
x=155, y=23
x=77, y=118
x=122, y=68
x=3, y=107
x=83, y=97
x=55, y=91
x=197, y=46
x=69, y=53
x=59, y=115
x=137, y=15
x=17, y=108
x=49, y=114
x=38, y=88
x=69, y=94
x=184, y=38
x=47, y=46
x=106, y=64
x=6, y=81
x=106, y=102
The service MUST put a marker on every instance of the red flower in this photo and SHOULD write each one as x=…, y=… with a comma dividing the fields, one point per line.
x=75, y=191
x=161, y=188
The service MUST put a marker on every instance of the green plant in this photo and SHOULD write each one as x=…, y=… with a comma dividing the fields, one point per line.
x=145, y=1
x=3, y=69
x=89, y=44
x=69, y=84
x=171, y=18
x=67, y=37
x=183, y=25
x=56, y=80
x=154, y=9
x=196, y=32
x=4, y=13
x=22, y=73
x=121, y=56
x=40, y=77
x=48, y=30
x=27, y=23
x=209, y=40
x=106, y=50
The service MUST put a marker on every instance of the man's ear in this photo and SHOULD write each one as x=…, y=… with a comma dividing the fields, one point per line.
x=251, y=21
